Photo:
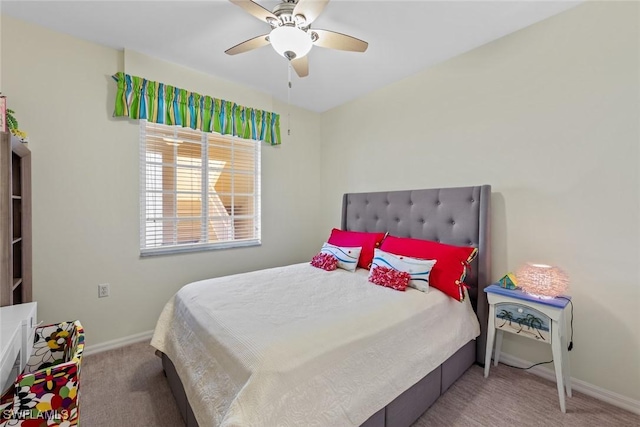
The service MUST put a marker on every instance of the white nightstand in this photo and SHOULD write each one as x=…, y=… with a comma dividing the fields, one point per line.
x=540, y=319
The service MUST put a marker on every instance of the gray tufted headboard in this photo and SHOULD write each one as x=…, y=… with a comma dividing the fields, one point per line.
x=457, y=216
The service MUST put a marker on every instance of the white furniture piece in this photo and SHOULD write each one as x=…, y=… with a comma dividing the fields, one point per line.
x=540, y=319
x=17, y=327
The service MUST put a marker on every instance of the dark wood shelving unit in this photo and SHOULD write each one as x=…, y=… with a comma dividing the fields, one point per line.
x=15, y=221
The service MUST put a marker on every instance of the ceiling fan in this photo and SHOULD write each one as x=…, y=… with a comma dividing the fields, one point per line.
x=291, y=34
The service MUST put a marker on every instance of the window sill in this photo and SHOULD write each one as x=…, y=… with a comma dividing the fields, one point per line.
x=183, y=249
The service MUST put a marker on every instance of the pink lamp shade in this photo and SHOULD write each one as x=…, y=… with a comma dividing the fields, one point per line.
x=542, y=280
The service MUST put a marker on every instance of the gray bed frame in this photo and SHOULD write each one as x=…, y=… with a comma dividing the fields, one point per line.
x=457, y=216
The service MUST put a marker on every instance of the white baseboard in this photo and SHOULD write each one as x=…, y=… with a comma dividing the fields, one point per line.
x=599, y=393
x=117, y=343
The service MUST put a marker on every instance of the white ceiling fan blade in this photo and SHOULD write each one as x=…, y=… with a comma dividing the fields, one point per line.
x=310, y=9
x=255, y=9
x=333, y=40
x=248, y=45
x=301, y=65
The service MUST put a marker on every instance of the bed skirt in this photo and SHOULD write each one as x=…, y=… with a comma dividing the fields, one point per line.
x=403, y=411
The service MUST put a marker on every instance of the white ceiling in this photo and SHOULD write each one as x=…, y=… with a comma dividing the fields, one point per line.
x=404, y=38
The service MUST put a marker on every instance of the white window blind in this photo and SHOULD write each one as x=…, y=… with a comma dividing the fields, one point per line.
x=198, y=190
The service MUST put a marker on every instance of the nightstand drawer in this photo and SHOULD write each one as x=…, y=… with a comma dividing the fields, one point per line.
x=523, y=320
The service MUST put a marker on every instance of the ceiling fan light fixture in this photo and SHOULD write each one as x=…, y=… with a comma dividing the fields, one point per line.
x=290, y=42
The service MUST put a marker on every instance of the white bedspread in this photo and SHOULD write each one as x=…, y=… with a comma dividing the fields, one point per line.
x=299, y=346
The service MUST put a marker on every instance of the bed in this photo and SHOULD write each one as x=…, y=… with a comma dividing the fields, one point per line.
x=332, y=367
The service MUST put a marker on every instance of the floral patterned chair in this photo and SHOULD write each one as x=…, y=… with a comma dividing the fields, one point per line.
x=47, y=393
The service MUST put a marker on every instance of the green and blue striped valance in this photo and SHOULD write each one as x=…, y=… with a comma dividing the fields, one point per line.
x=138, y=98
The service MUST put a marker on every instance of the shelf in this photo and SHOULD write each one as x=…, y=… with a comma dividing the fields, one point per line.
x=15, y=221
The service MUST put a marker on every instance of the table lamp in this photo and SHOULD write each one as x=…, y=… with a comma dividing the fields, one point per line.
x=542, y=281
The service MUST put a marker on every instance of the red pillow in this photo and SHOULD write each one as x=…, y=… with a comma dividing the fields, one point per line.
x=451, y=267
x=390, y=278
x=353, y=239
x=325, y=261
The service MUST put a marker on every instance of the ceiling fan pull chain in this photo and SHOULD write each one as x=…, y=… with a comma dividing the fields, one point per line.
x=289, y=102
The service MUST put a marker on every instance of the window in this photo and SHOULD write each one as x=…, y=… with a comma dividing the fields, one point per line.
x=198, y=190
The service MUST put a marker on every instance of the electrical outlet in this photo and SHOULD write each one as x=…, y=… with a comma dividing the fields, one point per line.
x=103, y=290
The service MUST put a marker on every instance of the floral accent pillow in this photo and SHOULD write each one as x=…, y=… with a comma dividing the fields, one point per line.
x=418, y=269
x=325, y=261
x=347, y=257
x=390, y=278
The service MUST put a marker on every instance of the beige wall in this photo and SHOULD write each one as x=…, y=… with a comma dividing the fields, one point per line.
x=549, y=116
x=85, y=183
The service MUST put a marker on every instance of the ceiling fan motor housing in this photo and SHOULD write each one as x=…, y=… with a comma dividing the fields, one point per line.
x=284, y=12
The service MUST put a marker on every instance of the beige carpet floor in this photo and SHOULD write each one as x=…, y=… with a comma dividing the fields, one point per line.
x=126, y=387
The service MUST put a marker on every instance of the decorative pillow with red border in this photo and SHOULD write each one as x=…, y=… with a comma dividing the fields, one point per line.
x=367, y=241
x=389, y=278
x=418, y=269
x=347, y=257
x=325, y=261
x=450, y=269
